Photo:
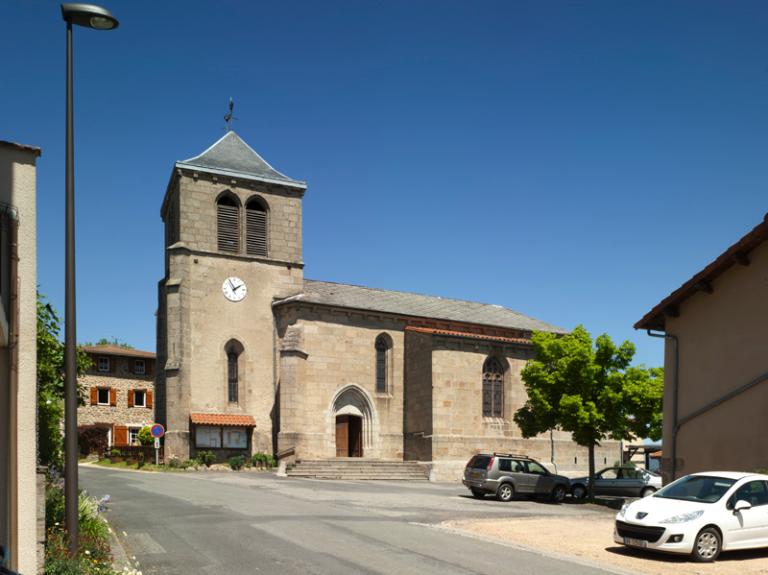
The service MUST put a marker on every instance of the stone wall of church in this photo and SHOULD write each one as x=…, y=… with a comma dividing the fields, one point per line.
x=337, y=354
x=417, y=417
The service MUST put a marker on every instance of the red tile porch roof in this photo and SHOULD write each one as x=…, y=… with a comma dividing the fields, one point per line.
x=470, y=335
x=222, y=419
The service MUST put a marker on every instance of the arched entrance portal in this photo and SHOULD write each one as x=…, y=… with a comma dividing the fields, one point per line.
x=353, y=423
x=349, y=436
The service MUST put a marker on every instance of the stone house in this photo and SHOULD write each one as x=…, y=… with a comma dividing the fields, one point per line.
x=119, y=395
x=22, y=500
x=254, y=357
x=715, y=365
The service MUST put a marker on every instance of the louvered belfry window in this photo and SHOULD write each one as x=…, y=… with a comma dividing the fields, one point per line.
x=256, y=228
x=228, y=225
x=493, y=381
x=382, y=348
x=232, y=378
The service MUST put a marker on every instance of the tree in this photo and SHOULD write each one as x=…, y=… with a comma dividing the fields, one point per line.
x=113, y=341
x=591, y=391
x=50, y=384
x=145, y=436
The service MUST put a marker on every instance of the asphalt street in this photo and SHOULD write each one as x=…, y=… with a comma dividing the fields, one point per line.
x=246, y=523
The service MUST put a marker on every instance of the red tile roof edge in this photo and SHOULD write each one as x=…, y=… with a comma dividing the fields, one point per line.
x=230, y=419
x=451, y=333
x=110, y=349
x=654, y=319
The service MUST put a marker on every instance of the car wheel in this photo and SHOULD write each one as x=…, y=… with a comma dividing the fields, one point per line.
x=558, y=493
x=706, y=548
x=579, y=492
x=505, y=492
x=477, y=494
x=647, y=491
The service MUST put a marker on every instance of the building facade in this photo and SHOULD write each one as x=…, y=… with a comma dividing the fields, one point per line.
x=254, y=357
x=21, y=533
x=119, y=397
x=715, y=365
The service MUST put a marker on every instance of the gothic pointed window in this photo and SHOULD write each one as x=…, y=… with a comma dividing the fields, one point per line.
x=228, y=224
x=256, y=227
x=383, y=347
x=493, y=381
x=234, y=351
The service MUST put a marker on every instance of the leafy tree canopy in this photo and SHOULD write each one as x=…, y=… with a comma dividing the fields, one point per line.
x=113, y=341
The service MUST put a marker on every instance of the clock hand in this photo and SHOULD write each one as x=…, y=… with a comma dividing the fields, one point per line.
x=231, y=285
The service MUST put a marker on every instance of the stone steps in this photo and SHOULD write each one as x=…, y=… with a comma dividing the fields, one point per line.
x=359, y=469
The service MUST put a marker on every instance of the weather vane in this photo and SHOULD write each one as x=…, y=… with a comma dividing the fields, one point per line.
x=229, y=117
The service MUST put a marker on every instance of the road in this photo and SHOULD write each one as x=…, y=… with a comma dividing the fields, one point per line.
x=246, y=523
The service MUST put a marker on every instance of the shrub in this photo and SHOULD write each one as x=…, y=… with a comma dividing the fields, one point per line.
x=145, y=436
x=236, y=462
x=206, y=458
x=174, y=463
x=187, y=463
x=114, y=453
x=263, y=460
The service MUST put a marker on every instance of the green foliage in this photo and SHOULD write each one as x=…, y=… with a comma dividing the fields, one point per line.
x=589, y=390
x=206, y=458
x=50, y=383
x=236, y=462
x=113, y=341
x=145, y=436
x=260, y=459
x=187, y=463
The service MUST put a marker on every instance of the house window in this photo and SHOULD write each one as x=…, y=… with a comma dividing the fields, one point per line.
x=133, y=435
x=139, y=398
x=383, y=347
x=102, y=364
x=228, y=224
x=493, y=380
x=208, y=436
x=103, y=396
x=256, y=228
x=139, y=367
x=235, y=438
x=234, y=350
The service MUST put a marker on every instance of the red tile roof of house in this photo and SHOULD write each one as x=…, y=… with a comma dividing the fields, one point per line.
x=222, y=419
x=737, y=253
x=111, y=349
x=452, y=333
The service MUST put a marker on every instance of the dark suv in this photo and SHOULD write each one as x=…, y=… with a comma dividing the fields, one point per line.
x=506, y=475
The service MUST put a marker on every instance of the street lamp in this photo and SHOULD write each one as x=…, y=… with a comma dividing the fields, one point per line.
x=97, y=18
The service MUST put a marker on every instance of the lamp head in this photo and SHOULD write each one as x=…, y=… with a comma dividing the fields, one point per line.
x=89, y=15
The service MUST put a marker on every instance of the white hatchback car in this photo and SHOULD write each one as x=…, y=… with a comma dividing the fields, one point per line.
x=700, y=515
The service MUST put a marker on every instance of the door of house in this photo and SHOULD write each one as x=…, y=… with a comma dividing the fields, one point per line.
x=349, y=436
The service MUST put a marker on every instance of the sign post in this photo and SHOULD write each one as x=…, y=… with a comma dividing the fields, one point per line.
x=157, y=432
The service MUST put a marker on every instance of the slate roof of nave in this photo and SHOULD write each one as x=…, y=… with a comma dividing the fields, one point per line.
x=416, y=305
x=231, y=156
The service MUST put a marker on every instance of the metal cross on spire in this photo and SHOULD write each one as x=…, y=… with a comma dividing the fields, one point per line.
x=229, y=116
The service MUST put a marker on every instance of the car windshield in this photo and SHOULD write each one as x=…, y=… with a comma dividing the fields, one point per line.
x=699, y=488
x=479, y=462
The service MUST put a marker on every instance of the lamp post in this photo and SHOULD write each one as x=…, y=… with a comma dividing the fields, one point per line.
x=97, y=18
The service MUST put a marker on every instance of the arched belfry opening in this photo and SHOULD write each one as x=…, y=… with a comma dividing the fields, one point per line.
x=353, y=423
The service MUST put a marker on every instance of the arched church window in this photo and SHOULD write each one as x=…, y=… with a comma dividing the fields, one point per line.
x=256, y=227
x=228, y=224
x=383, y=350
x=493, y=381
x=233, y=350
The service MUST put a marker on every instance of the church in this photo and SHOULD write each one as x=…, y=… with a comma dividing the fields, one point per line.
x=253, y=357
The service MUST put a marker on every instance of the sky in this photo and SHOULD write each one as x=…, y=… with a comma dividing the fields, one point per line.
x=575, y=161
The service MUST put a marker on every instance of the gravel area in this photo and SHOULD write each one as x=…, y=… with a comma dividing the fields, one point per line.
x=590, y=539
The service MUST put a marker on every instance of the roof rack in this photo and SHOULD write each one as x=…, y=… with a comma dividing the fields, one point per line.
x=520, y=455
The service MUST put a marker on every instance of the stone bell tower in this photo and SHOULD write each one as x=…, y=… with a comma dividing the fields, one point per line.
x=232, y=246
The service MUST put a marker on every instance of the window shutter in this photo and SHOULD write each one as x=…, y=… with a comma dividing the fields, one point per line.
x=94, y=396
x=130, y=398
x=256, y=232
x=112, y=397
x=228, y=228
x=120, y=435
x=148, y=399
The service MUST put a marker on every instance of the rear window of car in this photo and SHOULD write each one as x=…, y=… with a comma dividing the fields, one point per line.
x=479, y=462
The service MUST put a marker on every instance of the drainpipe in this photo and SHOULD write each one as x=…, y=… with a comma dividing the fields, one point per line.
x=675, y=390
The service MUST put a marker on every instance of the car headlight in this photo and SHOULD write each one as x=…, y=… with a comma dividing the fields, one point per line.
x=623, y=510
x=684, y=517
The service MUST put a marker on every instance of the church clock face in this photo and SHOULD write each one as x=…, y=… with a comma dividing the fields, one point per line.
x=234, y=289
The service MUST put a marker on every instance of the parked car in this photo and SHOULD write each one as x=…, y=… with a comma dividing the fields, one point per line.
x=506, y=475
x=627, y=481
x=699, y=514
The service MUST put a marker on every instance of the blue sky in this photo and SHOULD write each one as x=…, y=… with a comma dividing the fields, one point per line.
x=575, y=161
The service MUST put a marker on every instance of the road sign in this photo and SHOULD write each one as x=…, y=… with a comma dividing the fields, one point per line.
x=157, y=443
x=157, y=431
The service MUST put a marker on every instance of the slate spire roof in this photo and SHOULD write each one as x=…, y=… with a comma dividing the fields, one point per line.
x=231, y=156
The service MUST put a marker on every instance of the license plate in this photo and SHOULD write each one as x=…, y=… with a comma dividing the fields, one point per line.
x=635, y=542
